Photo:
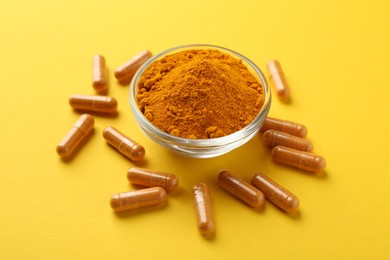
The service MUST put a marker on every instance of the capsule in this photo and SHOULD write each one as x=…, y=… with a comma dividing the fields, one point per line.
x=137, y=199
x=94, y=103
x=76, y=135
x=150, y=178
x=276, y=193
x=124, y=144
x=278, y=79
x=274, y=138
x=203, y=209
x=299, y=159
x=125, y=72
x=99, y=74
x=240, y=188
x=284, y=126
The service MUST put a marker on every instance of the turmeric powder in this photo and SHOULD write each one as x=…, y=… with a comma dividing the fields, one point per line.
x=199, y=94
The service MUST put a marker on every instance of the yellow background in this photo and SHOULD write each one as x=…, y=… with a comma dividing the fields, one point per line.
x=336, y=58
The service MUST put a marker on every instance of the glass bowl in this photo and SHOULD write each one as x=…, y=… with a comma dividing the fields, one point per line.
x=200, y=148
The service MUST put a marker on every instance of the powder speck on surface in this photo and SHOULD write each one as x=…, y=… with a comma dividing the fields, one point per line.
x=199, y=94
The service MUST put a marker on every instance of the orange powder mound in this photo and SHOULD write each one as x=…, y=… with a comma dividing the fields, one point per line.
x=199, y=94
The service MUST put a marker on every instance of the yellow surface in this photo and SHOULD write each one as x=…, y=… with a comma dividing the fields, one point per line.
x=336, y=58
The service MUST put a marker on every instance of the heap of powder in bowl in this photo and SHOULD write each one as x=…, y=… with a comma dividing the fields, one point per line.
x=199, y=94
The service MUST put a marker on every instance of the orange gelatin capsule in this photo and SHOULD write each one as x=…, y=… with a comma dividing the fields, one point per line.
x=150, y=178
x=278, y=79
x=203, y=209
x=284, y=126
x=99, y=74
x=76, y=135
x=276, y=193
x=274, y=138
x=240, y=188
x=124, y=144
x=125, y=72
x=299, y=159
x=133, y=200
x=94, y=103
